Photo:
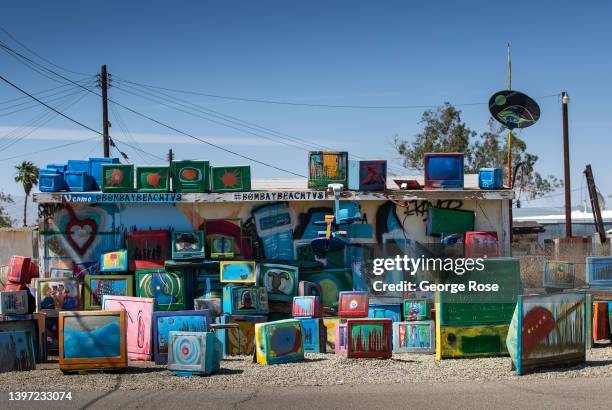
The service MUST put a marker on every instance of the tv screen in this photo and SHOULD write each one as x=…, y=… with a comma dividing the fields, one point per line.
x=445, y=168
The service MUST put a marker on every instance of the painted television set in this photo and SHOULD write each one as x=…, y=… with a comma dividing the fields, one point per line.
x=599, y=272
x=353, y=304
x=213, y=305
x=115, y=261
x=559, y=274
x=117, y=178
x=14, y=303
x=147, y=249
x=443, y=170
x=19, y=269
x=306, y=306
x=92, y=340
x=332, y=281
x=193, y=353
x=548, y=331
x=481, y=245
x=279, y=342
x=152, y=178
x=230, y=179
x=601, y=321
x=391, y=311
x=240, y=341
x=330, y=324
x=341, y=337
x=306, y=288
x=238, y=272
x=35, y=323
x=281, y=281
x=16, y=351
x=188, y=245
x=441, y=221
x=57, y=294
x=490, y=178
x=372, y=175
x=327, y=167
x=222, y=247
x=191, y=176
x=416, y=309
x=139, y=312
x=367, y=338
x=414, y=337
x=183, y=320
x=167, y=287
x=314, y=334
x=245, y=300
x=97, y=286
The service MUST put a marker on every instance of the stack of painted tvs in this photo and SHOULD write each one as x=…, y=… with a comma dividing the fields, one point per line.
x=75, y=176
x=244, y=303
x=599, y=280
x=308, y=310
x=21, y=271
x=416, y=333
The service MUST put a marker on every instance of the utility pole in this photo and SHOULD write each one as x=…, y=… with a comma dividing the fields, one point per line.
x=170, y=158
x=566, y=166
x=588, y=172
x=104, y=87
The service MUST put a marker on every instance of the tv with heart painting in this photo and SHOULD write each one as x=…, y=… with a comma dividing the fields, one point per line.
x=188, y=245
x=97, y=286
x=166, y=287
x=194, y=353
x=444, y=170
x=56, y=294
x=279, y=342
x=281, y=281
x=183, y=320
x=92, y=340
x=238, y=272
x=16, y=351
x=139, y=313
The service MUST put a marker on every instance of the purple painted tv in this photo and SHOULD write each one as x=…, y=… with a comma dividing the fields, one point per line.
x=444, y=170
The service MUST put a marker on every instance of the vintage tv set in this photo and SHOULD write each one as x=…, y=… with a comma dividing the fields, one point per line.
x=231, y=178
x=391, y=311
x=79, y=181
x=147, y=249
x=19, y=269
x=139, y=313
x=95, y=169
x=191, y=176
x=372, y=175
x=599, y=272
x=444, y=170
x=481, y=245
x=279, y=342
x=314, y=334
x=353, y=304
x=240, y=341
x=92, y=340
x=559, y=274
x=96, y=286
x=414, y=337
x=51, y=180
x=443, y=221
x=183, y=320
x=330, y=324
x=327, y=167
x=61, y=273
x=194, y=353
x=35, y=323
x=115, y=261
x=57, y=294
x=188, y=245
x=245, y=300
x=341, y=337
x=238, y=272
x=369, y=338
x=281, y=281
x=213, y=305
x=306, y=306
x=222, y=247
x=117, y=178
x=416, y=309
x=490, y=178
x=152, y=178
x=14, y=303
x=306, y=288
x=167, y=287
x=17, y=351
x=548, y=331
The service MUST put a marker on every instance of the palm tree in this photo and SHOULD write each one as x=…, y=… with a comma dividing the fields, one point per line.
x=27, y=174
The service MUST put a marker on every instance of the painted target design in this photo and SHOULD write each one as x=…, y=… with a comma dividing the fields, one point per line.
x=186, y=350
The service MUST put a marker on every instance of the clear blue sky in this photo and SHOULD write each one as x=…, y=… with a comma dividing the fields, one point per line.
x=339, y=52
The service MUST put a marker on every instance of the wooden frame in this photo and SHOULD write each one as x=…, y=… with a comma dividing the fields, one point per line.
x=88, y=296
x=84, y=363
x=42, y=303
x=400, y=335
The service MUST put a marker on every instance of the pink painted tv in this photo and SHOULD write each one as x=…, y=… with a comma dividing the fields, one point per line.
x=139, y=315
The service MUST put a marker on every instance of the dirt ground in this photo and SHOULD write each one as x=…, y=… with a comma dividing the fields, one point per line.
x=316, y=370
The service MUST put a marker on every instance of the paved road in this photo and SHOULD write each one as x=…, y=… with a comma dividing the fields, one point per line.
x=589, y=393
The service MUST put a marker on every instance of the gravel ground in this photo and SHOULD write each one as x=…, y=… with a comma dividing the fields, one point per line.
x=317, y=370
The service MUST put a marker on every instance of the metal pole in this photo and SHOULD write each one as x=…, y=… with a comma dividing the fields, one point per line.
x=566, y=166
x=104, y=87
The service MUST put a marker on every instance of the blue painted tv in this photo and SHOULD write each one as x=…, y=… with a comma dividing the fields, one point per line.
x=490, y=178
x=444, y=170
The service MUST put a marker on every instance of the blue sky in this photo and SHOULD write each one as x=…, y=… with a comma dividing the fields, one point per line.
x=339, y=53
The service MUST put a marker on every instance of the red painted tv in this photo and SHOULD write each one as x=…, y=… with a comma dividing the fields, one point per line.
x=481, y=244
x=147, y=249
x=353, y=304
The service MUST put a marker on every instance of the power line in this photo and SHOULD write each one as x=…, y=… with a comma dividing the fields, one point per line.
x=293, y=103
x=48, y=149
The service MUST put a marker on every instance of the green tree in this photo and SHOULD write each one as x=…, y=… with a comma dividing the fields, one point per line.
x=444, y=131
x=5, y=220
x=27, y=175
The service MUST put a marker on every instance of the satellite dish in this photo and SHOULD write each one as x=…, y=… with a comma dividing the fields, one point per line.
x=514, y=109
